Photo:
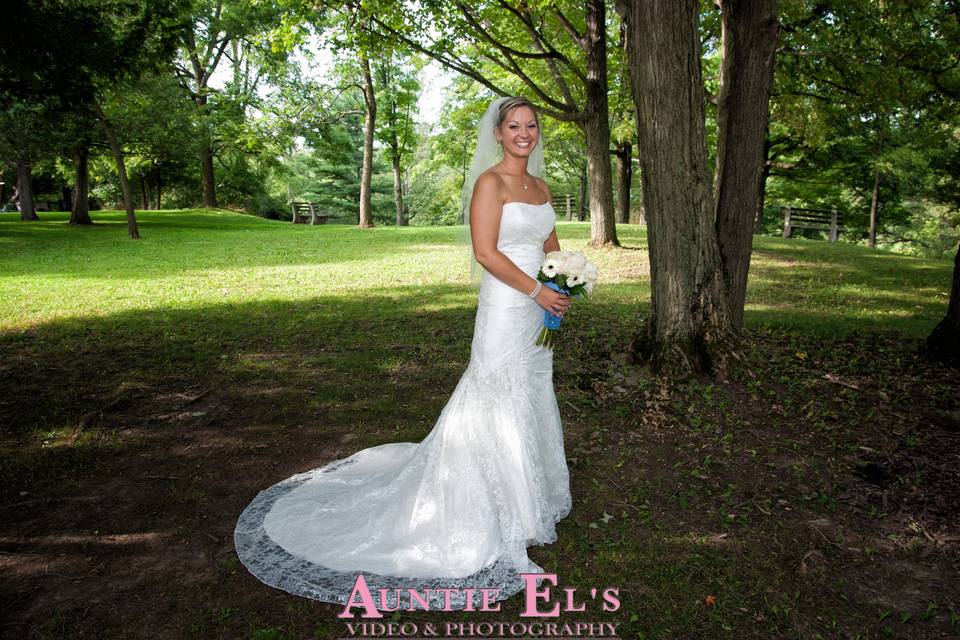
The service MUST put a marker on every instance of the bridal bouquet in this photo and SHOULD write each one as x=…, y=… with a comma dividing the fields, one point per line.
x=567, y=272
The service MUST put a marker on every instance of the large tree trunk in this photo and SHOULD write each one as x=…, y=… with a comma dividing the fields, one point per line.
x=25, y=190
x=689, y=328
x=874, y=203
x=944, y=340
x=624, y=155
x=132, y=229
x=603, y=228
x=750, y=32
x=398, y=190
x=80, y=207
x=208, y=176
x=369, y=128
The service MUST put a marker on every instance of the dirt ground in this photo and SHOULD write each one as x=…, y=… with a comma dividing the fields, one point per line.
x=843, y=454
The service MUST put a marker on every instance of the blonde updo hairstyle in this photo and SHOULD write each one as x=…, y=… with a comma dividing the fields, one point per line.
x=509, y=105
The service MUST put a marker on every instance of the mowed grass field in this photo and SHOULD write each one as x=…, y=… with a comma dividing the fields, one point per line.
x=153, y=387
x=197, y=259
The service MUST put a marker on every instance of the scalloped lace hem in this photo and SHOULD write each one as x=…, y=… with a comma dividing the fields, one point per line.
x=274, y=566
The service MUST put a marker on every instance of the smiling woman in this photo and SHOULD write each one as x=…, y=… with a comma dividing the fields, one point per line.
x=456, y=511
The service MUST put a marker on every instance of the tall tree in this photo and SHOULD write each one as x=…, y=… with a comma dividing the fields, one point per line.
x=347, y=27
x=699, y=230
x=369, y=131
x=749, y=35
x=557, y=51
x=27, y=127
x=81, y=48
x=690, y=321
x=853, y=100
x=399, y=91
x=79, y=124
x=224, y=31
x=865, y=88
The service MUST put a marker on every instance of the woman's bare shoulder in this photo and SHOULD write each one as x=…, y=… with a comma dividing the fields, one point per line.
x=490, y=179
x=489, y=185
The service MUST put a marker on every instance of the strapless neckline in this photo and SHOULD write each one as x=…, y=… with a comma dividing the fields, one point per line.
x=532, y=204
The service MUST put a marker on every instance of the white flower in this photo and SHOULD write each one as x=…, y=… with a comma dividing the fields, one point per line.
x=590, y=272
x=589, y=276
x=553, y=263
x=574, y=279
x=575, y=263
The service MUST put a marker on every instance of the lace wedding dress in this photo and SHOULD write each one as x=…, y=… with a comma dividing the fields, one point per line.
x=455, y=510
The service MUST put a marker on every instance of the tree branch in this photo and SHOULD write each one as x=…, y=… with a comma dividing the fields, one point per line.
x=453, y=63
x=513, y=66
x=575, y=35
x=540, y=41
x=485, y=35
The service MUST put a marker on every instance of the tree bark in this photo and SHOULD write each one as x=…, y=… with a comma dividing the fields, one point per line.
x=144, y=192
x=750, y=29
x=208, y=176
x=80, y=207
x=369, y=128
x=944, y=340
x=603, y=228
x=398, y=190
x=582, y=209
x=28, y=210
x=762, y=187
x=689, y=328
x=624, y=155
x=874, y=203
x=132, y=229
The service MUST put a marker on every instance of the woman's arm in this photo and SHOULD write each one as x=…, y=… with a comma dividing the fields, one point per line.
x=551, y=243
x=485, y=211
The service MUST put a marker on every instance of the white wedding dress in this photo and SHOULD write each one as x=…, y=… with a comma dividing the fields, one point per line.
x=457, y=509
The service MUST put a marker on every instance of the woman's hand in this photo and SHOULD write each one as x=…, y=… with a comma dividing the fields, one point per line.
x=553, y=301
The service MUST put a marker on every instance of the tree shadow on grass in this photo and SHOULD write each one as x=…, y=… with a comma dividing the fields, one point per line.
x=132, y=442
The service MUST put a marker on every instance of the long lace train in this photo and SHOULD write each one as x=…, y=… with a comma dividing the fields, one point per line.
x=457, y=510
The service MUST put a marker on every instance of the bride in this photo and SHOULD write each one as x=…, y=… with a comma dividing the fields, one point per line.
x=459, y=509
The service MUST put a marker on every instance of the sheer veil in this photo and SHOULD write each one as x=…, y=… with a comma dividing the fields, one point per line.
x=486, y=155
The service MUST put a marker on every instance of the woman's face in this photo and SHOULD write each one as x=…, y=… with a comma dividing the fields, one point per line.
x=518, y=132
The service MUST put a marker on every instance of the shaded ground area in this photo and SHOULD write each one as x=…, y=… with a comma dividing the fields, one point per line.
x=812, y=495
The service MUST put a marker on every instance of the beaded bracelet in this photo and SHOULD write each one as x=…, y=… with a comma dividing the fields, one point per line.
x=536, y=290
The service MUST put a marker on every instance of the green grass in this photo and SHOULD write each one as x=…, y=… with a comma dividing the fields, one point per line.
x=315, y=342
x=197, y=259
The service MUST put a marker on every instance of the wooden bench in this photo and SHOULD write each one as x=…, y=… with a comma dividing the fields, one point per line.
x=823, y=219
x=302, y=209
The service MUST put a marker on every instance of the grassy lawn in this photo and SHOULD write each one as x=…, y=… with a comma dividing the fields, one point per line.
x=153, y=387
